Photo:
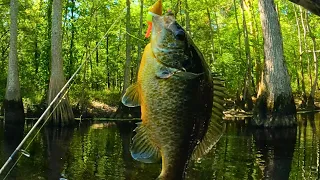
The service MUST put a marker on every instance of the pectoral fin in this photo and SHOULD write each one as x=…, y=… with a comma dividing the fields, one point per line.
x=131, y=98
x=143, y=149
x=216, y=126
x=164, y=72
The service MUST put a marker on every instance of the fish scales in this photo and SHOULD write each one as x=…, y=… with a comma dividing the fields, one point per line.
x=175, y=91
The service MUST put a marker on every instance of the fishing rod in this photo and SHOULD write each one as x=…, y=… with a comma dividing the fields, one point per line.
x=56, y=98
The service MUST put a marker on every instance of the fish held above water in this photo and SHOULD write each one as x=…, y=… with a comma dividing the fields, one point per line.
x=181, y=104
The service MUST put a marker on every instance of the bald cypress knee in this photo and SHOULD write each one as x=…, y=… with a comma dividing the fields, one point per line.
x=275, y=104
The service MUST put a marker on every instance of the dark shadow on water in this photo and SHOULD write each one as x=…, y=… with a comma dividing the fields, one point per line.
x=101, y=150
x=134, y=170
x=126, y=133
x=276, y=147
x=13, y=134
x=57, y=144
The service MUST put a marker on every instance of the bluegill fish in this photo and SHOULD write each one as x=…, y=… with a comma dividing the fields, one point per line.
x=181, y=103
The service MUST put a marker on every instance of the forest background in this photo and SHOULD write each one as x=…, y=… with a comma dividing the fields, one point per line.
x=227, y=32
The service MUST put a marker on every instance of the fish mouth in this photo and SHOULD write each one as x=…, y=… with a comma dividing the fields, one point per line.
x=167, y=23
x=157, y=23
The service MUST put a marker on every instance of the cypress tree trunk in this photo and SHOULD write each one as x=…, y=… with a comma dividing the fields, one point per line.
x=126, y=82
x=212, y=57
x=306, y=46
x=63, y=115
x=303, y=86
x=275, y=104
x=311, y=104
x=140, y=36
x=124, y=111
x=247, y=99
x=13, y=106
x=188, y=26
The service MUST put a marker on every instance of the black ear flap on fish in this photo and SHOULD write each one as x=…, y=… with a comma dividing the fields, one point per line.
x=165, y=72
x=216, y=126
x=131, y=98
x=142, y=148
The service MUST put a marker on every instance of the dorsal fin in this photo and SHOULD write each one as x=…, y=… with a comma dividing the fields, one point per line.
x=131, y=98
x=142, y=148
x=216, y=125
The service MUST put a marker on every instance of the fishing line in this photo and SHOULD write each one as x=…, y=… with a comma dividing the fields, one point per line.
x=133, y=36
x=39, y=130
x=56, y=98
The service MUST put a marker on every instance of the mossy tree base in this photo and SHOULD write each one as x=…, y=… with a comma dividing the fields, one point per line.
x=280, y=113
x=13, y=112
x=245, y=104
x=310, y=104
x=62, y=115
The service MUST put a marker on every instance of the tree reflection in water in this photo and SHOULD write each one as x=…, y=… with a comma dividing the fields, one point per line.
x=12, y=136
x=275, y=147
x=57, y=143
x=97, y=151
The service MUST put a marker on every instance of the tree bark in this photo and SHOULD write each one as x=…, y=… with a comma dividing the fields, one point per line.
x=275, y=104
x=177, y=7
x=71, y=50
x=311, y=104
x=311, y=5
x=126, y=82
x=218, y=33
x=306, y=47
x=140, y=36
x=188, y=27
x=303, y=86
x=36, y=52
x=238, y=98
x=124, y=111
x=256, y=47
x=238, y=27
x=63, y=115
x=108, y=66
x=247, y=100
x=13, y=106
x=212, y=57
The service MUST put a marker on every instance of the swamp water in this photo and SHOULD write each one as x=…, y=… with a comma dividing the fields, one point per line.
x=101, y=151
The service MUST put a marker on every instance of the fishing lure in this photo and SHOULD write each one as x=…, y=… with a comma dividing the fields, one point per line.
x=156, y=9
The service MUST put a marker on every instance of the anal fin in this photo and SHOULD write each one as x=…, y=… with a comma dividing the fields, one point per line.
x=142, y=148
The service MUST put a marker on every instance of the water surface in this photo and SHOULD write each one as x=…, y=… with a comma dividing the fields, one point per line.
x=101, y=151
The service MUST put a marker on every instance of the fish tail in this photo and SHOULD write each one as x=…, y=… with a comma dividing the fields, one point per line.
x=174, y=171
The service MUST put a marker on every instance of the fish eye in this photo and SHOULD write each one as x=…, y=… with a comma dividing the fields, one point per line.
x=178, y=32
